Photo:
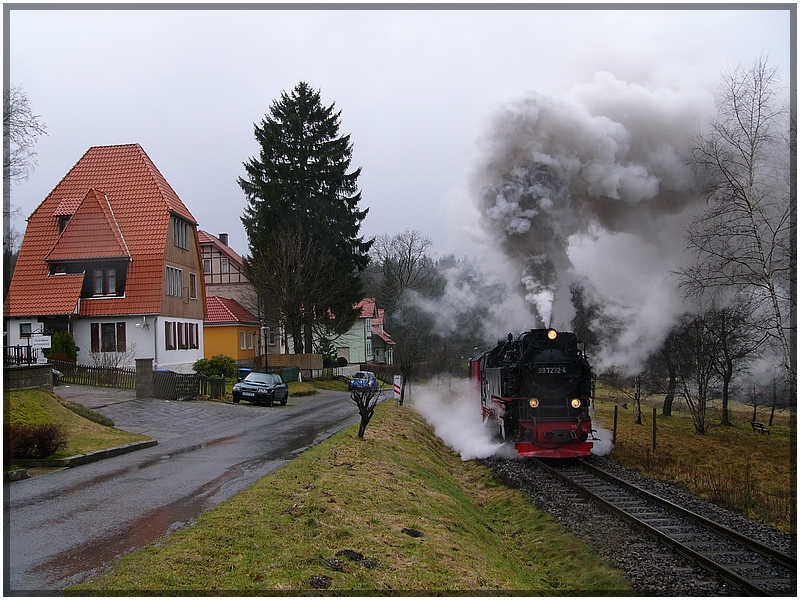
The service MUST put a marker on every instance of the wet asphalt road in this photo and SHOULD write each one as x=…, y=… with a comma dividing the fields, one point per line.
x=65, y=526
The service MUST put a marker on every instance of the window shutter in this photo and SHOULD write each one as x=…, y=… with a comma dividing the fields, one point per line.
x=95, y=337
x=168, y=335
x=121, y=337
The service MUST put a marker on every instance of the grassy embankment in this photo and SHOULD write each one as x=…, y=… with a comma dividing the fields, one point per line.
x=746, y=472
x=283, y=534
x=33, y=407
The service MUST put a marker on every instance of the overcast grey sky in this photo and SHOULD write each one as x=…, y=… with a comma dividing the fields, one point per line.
x=416, y=88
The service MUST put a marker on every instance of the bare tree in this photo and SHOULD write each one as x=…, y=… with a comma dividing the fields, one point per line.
x=21, y=129
x=696, y=370
x=404, y=265
x=744, y=238
x=288, y=273
x=366, y=401
x=737, y=337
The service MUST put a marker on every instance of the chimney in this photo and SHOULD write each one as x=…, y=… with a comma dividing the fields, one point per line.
x=223, y=237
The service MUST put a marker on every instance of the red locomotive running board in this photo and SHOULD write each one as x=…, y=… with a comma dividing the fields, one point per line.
x=566, y=451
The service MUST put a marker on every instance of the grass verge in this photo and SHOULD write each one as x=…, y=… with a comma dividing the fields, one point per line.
x=749, y=473
x=34, y=407
x=343, y=517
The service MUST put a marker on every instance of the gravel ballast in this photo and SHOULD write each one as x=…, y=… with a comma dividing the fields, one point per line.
x=652, y=568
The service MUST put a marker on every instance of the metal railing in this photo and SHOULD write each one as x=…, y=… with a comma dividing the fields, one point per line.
x=20, y=355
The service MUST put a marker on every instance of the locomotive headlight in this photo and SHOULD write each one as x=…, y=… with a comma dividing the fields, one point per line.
x=576, y=403
x=533, y=402
x=552, y=334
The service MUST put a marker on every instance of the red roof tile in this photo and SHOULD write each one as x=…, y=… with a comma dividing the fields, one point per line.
x=225, y=310
x=92, y=232
x=139, y=200
x=367, y=308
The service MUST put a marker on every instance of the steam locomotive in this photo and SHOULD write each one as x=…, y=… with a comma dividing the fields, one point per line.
x=538, y=389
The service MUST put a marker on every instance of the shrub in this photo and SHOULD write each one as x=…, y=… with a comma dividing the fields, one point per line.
x=62, y=347
x=341, y=361
x=218, y=365
x=32, y=441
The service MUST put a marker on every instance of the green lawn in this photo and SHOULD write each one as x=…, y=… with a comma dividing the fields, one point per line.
x=283, y=534
x=34, y=407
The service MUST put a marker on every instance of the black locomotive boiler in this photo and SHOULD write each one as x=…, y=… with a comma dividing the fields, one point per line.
x=537, y=389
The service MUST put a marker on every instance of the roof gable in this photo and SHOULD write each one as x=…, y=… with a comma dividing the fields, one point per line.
x=134, y=211
x=206, y=238
x=92, y=232
x=367, y=309
x=225, y=310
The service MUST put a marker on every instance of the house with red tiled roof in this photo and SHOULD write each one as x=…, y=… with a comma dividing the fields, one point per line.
x=231, y=329
x=366, y=341
x=112, y=256
x=224, y=275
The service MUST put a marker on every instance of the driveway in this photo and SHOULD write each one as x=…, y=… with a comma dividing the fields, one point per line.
x=62, y=527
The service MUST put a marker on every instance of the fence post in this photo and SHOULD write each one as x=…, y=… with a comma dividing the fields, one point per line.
x=616, y=413
x=144, y=377
x=654, y=429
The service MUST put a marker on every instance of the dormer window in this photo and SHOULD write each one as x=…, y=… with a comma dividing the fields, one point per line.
x=62, y=222
x=105, y=281
x=180, y=233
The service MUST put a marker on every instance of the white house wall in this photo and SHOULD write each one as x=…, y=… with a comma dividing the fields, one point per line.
x=142, y=341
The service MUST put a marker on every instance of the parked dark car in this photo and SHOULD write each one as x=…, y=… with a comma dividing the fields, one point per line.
x=365, y=381
x=261, y=388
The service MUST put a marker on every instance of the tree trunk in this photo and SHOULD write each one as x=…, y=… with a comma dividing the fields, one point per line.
x=774, y=400
x=637, y=399
x=726, y=384
x=309, y=335
x=672, y=385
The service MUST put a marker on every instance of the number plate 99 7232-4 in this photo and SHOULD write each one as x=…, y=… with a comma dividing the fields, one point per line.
x=552, y=370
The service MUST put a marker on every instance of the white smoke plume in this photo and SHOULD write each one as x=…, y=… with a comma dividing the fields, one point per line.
x=591, y=186
x=453, y=408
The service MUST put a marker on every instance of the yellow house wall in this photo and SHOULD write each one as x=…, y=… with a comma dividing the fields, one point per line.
x=224, y=339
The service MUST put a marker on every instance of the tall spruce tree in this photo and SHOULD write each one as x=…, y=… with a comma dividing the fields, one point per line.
x=301, y=193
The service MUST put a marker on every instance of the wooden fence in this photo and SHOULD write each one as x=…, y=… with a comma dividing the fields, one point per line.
x=167, y=385
x=98, y=376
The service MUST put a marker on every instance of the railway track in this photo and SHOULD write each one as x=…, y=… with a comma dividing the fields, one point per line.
x=744, y=563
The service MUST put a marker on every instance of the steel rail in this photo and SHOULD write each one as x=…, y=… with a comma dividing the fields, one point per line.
x=755, y=545
x=745, y=585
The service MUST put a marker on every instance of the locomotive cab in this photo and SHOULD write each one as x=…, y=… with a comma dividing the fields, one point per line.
x=538, y=390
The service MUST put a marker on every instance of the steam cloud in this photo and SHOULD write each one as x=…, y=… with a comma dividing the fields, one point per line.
x=593, y=187
x=452, y=408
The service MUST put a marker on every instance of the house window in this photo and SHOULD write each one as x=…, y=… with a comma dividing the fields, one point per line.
x=98, y=282
x=224, y=265
x=180, y=233
x=207, y=266
x=250, y=340
x=193, y=286
x=181, y=336
x=174, y=282
x=111, y=281
x=242, y=340
x=24, y=330
x=108, y=337
x=105, y=282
